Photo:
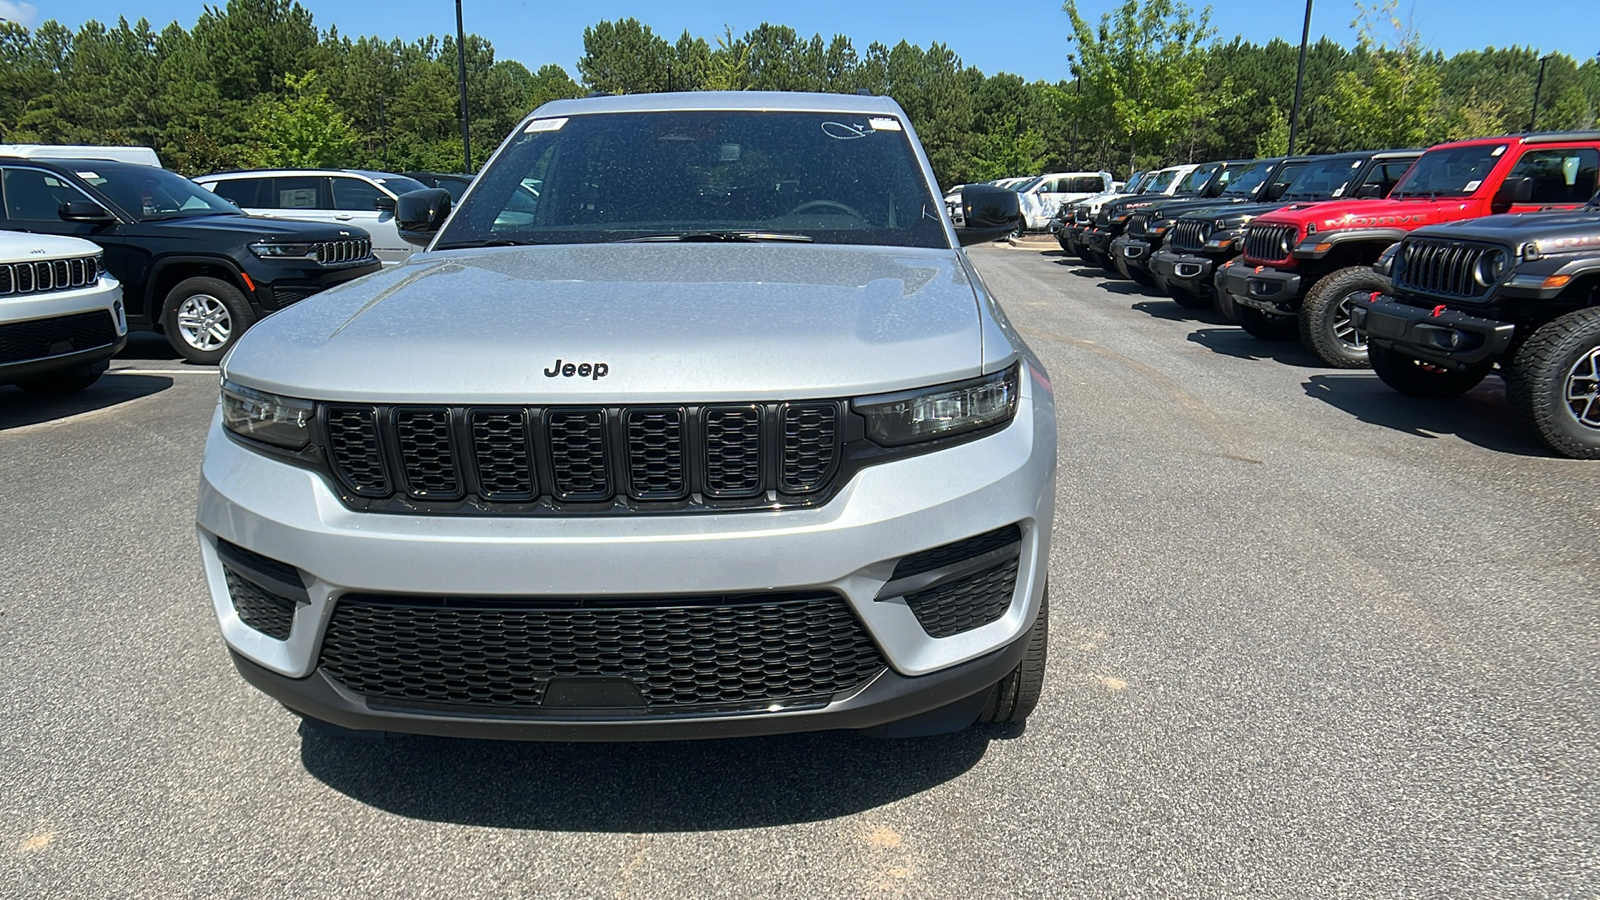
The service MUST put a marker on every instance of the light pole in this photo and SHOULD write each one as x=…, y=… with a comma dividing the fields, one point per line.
x=461, y=77
x=1299, y=80
x=1533, y=119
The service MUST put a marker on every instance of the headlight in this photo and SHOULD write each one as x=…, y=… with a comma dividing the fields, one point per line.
x=284, y=251
x=268, y=418
x=1385, y=263
x=1490, y=267
x=948, y=409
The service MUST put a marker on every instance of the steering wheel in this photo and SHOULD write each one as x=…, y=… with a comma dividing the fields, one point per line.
x=825, y=204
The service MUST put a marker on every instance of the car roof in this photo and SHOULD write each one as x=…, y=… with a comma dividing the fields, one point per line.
x=722, y=100
x=367, y=173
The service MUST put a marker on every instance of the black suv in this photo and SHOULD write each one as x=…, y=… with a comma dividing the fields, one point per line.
x=191, y=264
x=1517, y=292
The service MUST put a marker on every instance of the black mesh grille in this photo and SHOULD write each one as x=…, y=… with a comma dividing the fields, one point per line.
x=266, y=612
x=500, y=446
x=353, y=447
x=578, y=454
x=430, y=466
x=1190, y=234
x=286, y=296
x=1269, y=243
x=809, y=446
x=1444, y=268
x=682, y=654
x=40, y=338
x=655, y=454
x=944, y=555
x=965, y=603
x=733, y=451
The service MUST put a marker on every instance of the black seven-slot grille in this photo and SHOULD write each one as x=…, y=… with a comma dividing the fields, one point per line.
x=1269, y=243
x=516, y=456
x=648, y=655
x=1441, y=268
x=48, y=275
x=1190, y=234
x=42, y=338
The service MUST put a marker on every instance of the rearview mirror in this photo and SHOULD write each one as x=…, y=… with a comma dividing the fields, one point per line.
x=1514, y=190
x=420, y=214
x=85, y=212
x=990, y=213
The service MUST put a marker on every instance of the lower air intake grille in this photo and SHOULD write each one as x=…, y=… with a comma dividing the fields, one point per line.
x=266, y=612
x=42, y=338
x=967, y=602
x=681, y=654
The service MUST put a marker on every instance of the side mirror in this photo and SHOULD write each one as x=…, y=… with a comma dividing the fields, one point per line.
x=420, y=215
x=990, y=212
x=383, y=204
x=1514, y=190
x=1275, y=191
x=1369, y=192
x=85, y=212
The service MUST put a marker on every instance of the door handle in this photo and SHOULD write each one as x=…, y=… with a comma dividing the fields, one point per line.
x=344, y=218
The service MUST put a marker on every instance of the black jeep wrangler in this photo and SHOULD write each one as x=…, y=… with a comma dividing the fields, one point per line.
x=1517, y=293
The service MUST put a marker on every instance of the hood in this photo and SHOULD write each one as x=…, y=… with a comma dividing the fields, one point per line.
x=1233, y=215
x=1178, y=207
x=1340, y=214
x=670, y=322
x=1556, y=232
x=257, y=227
x=20, y=246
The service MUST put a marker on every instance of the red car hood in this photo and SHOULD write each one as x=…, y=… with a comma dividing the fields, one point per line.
x=1339, y=214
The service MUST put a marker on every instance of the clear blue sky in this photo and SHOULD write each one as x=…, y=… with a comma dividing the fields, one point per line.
x=1027, y=37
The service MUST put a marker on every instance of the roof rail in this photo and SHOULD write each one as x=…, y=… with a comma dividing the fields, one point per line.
x=1551, y=137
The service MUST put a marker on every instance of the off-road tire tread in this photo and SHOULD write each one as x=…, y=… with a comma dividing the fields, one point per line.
x=1539, y=370
x=1316, y=307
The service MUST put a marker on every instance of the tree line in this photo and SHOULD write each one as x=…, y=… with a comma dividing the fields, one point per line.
x=257, y=83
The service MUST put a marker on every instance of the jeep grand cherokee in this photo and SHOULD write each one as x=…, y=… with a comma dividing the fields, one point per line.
x=715, y=432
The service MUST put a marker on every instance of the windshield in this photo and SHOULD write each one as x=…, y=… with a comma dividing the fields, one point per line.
x=1026, y=186
x=1198, y=178
x=400, y=184
x=1450, y=172
x=1324, y=179
x=150, y=194
x=828, y=177
x=1244, y=182
x=1163, y=180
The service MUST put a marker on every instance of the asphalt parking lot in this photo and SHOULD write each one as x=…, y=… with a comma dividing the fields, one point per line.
x=1310, y=638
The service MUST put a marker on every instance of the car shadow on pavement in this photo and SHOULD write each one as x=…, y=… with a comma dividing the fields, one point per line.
x=19, y=408
x=1170, y=310
x=1479, y=416
x=1126, y=288
x=639, y=787
x=1236, y=342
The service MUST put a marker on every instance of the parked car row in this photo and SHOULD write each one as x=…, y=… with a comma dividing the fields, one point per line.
x=199, y=261
x=1039, y=196
x=1435, y=268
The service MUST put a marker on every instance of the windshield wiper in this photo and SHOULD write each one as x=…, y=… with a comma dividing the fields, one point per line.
x=498, y=242
x=718, y=236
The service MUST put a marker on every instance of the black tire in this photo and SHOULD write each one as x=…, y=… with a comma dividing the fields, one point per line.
x=1139, y=276
x=1553, y=384
x=1225, y=304
x=1104, y=262
x=1187, y=300
x=1325, y=324
x=62, y=383
x=1415, y=378
x=203, y=317
x=1015, y=696
x=1267, y=328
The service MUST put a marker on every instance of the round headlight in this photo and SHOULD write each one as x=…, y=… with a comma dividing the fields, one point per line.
x=1491, y=266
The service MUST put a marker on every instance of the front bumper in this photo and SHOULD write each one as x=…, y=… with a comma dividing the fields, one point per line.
x=1263, y=288
x=1134, y=253
x=68, y=346
x=1186, y=271
x=279, y=285
x=1437, y=335
x=1097, y=240
x=849, y=547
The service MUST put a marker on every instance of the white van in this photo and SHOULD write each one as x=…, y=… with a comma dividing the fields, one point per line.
x=143, y=156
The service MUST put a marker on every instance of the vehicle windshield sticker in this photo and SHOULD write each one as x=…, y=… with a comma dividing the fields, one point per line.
x=1338, y=190
x=1499, y=150
x=88, y=176
x=544, y=125
x=885, y=124
x=1356, y=164
x=1472, y=185
x=839, y=131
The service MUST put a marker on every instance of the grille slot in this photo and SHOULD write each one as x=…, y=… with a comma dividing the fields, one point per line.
x=682, y=654
x=500, y=448
x=733, y=451
x=353, y=448
x=428, y=462
x=578, y=454
x=655, y=454
x=261, y=609
x=1190, y=234
x=965, y=603
x=809, y=446
x=1442, y=268
x=1269, y=243
x=43, y=338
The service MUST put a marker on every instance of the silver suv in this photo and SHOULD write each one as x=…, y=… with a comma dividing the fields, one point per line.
x=693, y=420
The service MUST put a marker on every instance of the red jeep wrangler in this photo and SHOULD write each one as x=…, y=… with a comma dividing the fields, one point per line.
x=1310, y=262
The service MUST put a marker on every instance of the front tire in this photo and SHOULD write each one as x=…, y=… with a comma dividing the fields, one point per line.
x=1267, y=328
x=204, y=317
x=1415, y=378
x=1554, y=384
x=1015, y=696
x=1325, y=323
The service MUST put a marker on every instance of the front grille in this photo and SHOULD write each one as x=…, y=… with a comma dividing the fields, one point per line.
x=261, y=609
x=1442, y=268
x=1102, y=218
x=1269, y=243
x=48, y=275
x=1081, y=217
x=331, y=253
x=43, y=338
x=1137, y=225
x=682, y=655
x=965, y=603
x=288, y=296
x=525, y=456
x=928, y=560
x=1190, y=234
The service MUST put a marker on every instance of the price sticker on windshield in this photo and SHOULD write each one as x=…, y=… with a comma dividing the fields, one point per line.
x=884, y=124
x=544, y=125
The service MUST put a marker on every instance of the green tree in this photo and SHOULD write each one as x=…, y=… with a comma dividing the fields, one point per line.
x=1390, y=97
x=303, y=130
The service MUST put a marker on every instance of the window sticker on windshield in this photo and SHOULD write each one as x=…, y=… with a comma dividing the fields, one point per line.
x=1356, y=164
x=1472, y=186
x=1338, y=191
x=88, y=176
x=840, y=131
x=544, y=125
x=1499, y=150
x=885, y=124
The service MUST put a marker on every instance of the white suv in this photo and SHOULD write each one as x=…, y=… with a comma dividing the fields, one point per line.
x=61, y=315
x=1042, y=197
x=335, y=196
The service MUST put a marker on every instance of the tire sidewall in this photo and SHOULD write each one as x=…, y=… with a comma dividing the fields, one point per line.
x=1320, y=310
x=1538, y=382
x=228, y=295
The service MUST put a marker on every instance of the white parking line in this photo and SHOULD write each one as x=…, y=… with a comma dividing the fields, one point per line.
x=212, y=371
